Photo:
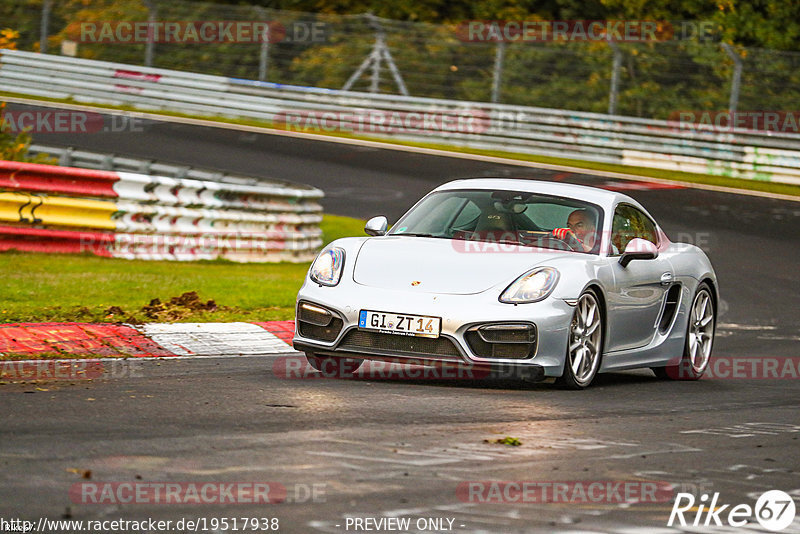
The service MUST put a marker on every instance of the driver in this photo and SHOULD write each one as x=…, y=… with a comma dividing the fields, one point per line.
x=581, y=227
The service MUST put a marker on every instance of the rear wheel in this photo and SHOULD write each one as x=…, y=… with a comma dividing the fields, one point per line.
x=699, y=339
x=584, y=343
x=333, y=366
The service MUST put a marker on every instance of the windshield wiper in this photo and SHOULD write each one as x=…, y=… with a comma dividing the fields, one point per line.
x=421, y=234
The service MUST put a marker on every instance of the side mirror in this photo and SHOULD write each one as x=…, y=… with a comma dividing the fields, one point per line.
x=376, y=226
x=638, y=249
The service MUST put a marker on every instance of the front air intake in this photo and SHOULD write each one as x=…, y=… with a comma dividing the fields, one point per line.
x=317, y=322
x=505, y=340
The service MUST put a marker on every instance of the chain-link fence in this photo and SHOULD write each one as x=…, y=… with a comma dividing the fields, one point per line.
x=653, y=79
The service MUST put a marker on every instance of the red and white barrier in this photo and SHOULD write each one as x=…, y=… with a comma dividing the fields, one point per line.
x=35, y=177
x=45, y=208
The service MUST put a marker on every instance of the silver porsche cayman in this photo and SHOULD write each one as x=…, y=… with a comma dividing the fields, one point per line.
x=547, y=279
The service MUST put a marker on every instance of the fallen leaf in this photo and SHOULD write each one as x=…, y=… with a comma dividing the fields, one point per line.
x=84, y=473
x=508, y=440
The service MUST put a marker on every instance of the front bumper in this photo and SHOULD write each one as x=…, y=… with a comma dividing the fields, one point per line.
x=460, y=314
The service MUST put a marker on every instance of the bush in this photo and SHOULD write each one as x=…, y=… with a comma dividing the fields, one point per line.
x=16, y=147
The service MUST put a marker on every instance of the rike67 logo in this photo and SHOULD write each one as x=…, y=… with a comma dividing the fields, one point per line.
x=774, y=510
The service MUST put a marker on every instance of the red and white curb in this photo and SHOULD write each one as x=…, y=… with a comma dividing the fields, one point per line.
x=211, y=339
x=154, y=340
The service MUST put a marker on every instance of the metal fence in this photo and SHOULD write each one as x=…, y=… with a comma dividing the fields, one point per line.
x=760, y=155
x=649, y=79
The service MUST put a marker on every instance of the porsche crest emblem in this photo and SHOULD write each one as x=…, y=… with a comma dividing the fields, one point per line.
x=415, y=283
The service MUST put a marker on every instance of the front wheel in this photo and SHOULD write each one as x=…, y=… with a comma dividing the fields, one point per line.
x=699, y=339
x=333, y=366
x=584, y=343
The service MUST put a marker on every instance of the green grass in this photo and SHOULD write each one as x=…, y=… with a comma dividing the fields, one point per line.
x=335, y=226
x=70, y=287
x=706, y=179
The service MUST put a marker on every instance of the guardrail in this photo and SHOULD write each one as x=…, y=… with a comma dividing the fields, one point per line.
x=47, y=208
x=71, y=157
x=758, y=155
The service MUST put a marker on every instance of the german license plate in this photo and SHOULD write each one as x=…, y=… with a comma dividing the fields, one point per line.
x=400, y=323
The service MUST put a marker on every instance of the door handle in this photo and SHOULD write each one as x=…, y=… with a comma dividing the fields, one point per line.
x=666, y=279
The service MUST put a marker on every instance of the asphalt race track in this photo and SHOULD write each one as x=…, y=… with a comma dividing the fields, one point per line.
x=376, y=448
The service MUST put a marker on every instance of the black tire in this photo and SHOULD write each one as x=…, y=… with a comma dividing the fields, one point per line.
x=578, y=342
x=660, y=372
x=333, y=366
x=688, y=367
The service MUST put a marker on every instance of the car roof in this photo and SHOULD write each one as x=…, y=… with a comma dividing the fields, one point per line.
x=602, y=197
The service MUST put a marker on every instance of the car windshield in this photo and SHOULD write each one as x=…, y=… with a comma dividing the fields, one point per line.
x=512, y=217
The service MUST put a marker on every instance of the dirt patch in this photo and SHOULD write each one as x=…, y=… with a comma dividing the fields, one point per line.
x=178, y=308
x=175, y=309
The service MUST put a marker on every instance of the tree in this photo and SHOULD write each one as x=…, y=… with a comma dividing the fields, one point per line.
x=14, y=147
x=8, y=38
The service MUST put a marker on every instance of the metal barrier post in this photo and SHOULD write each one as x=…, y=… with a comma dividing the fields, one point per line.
x=736, y=79
x=497, y=74
x=149, y=47
x=615, y=66
x=263, y=57
x=45, y=29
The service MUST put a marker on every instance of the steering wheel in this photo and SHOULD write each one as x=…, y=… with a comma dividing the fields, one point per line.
x=570, y=243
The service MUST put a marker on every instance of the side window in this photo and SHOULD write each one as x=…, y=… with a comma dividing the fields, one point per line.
x=629, y=223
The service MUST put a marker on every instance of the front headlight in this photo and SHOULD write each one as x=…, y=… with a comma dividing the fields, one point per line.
x=327, y=268
x=532, y=286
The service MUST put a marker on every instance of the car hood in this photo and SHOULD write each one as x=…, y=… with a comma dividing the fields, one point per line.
x=430, y=265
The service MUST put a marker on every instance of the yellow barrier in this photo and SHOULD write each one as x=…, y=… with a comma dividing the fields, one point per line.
x=58, y=211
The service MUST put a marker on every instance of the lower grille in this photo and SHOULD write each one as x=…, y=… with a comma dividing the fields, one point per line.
x=482, y=349
x=402, y=345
